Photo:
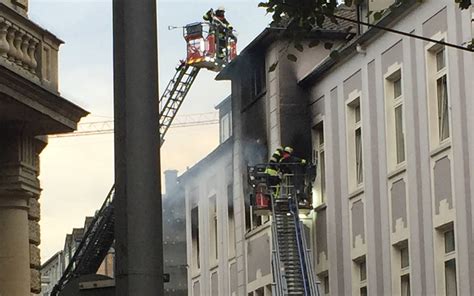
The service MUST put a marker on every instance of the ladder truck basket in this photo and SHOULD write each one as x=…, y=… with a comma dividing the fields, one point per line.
x=203, y=47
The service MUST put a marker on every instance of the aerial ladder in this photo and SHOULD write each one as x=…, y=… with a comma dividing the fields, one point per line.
x=284, y=198
x=205, y=50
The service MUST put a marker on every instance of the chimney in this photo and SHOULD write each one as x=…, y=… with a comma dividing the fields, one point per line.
x=171, y=180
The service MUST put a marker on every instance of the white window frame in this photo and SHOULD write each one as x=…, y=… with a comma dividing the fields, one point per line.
x=354, y=99
x=359, y=283
x=433, y=75
x=441, y=257
x=320, y=160
x=391, y=104
x=398, y=272
x=225, y=123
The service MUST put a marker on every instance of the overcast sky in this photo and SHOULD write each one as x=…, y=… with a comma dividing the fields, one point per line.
x=77, y=172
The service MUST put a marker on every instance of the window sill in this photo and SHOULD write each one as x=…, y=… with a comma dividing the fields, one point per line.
x=321, y=207
x=399, y=169
x=214, y=267
x=258, y=229
x=357, y=192
x=195, y=274
x=441, y=148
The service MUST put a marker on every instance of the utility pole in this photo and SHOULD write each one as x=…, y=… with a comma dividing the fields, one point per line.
x=138, y=210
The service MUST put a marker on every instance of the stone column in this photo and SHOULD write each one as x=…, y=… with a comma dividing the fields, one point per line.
x=14, y=246
x=19, y=213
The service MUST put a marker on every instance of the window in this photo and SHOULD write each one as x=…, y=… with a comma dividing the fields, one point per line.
x=404, y=270
x=213, y=227
x=195, y=236
x=363, y=271
x=443, y=115
x=404, y=257
x=360, y=276
x=450, y=277
x=449, y=243
x=358, y=148
x=448, y=255
x=399, y=134
x=354, y=140
x=326, y=284
x=225, y=127
x=319, y=157
x=231, y=219
x=395, y=119
x=438, y=95
x=324, y=278
x=258, y=79
x=405, y=285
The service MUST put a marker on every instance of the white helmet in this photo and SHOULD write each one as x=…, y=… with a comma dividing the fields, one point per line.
x=221, y=8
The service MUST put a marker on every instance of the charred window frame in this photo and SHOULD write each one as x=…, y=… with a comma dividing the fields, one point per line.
x=195, y=237
x=231, y=220
x=259, y=86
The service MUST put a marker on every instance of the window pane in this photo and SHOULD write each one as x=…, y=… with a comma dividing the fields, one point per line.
x=358, y=151
x=399, y=134
x=450, y=277
x=449, y=242
x=326, y=284
x=323, y=176
x=404, y=257
x=363, y=291
x=397, y=88
x=357, y=113
x=363, y=271
x=443, y=115
x=405, y=280
x=195, y=235
x=440, y=60
x=321, y=134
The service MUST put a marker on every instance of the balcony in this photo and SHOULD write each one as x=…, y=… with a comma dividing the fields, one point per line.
x=28, y=50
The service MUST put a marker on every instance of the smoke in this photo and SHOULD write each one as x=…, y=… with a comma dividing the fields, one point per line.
x=254, y=151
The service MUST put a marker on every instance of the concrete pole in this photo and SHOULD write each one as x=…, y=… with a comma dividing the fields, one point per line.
x=138, y=210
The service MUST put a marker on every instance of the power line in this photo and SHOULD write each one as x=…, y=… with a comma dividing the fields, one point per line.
x=400, y=32
x=107, y=127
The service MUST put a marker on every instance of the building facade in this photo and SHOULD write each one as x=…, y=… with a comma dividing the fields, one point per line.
x=30, y=109
x=387, y=120
x=51, y=272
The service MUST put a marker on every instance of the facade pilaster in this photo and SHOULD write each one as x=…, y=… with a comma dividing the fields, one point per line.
x=19, y=212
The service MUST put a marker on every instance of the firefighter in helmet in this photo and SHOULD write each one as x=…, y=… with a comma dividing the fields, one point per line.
x=221, y=26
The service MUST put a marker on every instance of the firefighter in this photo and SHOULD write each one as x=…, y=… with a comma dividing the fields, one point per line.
x=290, y=164
x=224, y=29
x=273, y=171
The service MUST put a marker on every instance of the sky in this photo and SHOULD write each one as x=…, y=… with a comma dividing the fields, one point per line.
x=77, y=172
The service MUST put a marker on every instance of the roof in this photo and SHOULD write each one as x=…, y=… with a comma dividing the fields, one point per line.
x=220, y=150
x=350, y=48
x=224, y=102
x=331, y=30
x=51, y=259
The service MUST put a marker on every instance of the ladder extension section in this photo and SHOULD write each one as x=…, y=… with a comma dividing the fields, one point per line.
x=291, y=259
x=174, y=95
x=99, y=236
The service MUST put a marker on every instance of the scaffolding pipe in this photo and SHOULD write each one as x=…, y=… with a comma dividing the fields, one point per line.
x=138, y=227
